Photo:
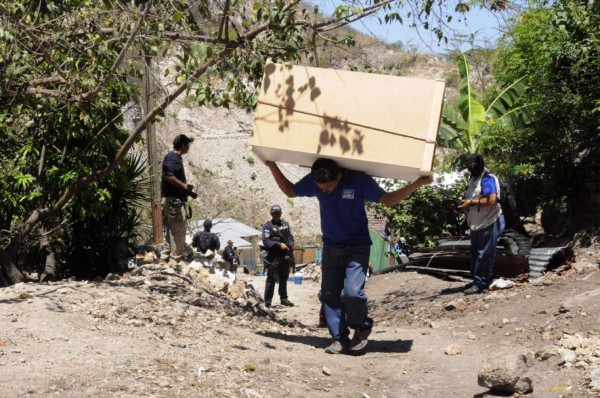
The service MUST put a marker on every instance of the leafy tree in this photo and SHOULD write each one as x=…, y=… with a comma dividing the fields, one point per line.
x=465, y=129
x=69, y=68
x=558, y=48
x=429, y=213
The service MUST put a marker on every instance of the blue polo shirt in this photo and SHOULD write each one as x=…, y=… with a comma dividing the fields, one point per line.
x=343, y=216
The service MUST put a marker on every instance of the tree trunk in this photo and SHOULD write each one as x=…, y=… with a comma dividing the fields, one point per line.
x=9, y=273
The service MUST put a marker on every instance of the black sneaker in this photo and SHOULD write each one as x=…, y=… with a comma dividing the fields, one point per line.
x=338, y=347
x=472, y=290
x=287, y=303
x=359, y=340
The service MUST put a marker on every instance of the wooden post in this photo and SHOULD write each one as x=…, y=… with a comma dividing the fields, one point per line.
x=153, y=161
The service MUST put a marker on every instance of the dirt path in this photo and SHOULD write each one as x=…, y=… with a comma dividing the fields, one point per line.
x=119, y=339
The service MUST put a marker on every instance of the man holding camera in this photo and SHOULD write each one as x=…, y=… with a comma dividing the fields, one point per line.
x=484, y=216
x=174, y=192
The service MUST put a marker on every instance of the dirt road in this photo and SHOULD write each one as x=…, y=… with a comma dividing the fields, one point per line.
x=124, y=339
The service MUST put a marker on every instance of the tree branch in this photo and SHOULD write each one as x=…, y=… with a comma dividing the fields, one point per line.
x=92, y=93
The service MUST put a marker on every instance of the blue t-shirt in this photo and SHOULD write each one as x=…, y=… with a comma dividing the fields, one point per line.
x=488, y=185
x=343, y=216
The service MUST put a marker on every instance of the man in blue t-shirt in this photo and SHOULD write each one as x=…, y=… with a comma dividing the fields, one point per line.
x=342, y=195
x=486, y=222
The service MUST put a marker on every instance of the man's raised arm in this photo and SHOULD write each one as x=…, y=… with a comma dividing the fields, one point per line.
x=284, y=184
x=391, y=198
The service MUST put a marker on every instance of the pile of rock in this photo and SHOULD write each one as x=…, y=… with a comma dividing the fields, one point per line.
x=312, y=272
x=201, y=282
x=575, y=350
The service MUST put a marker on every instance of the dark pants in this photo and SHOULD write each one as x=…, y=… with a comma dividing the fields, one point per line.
x=278, y=270
x=483, y=253
x=344, y=273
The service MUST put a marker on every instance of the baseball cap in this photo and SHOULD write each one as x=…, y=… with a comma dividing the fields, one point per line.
x=229, y=241
x=275, y=209
x=182, y=139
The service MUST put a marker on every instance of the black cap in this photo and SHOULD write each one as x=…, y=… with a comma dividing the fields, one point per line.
x=275, y=209
x=207, y=223
x=182, y=139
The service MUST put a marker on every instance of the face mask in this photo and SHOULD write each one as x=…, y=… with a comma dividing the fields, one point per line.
x=475, y=165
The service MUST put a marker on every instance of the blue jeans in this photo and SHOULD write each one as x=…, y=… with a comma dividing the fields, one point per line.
x=483, y=253
x=344, y=273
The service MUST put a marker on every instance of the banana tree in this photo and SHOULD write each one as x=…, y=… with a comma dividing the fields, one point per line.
x=464, y=129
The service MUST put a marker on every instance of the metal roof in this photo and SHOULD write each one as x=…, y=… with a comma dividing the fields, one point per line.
x=227, y=229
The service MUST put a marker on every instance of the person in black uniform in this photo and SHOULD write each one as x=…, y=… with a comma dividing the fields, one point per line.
x=206, y=240
x=278, y=256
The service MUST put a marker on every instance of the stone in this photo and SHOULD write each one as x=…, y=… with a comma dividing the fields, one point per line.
x=453, y=349
x=219, y=283
x=579, y=266
x=250, y=393
x=326, y=371
x=571, y=342
x=236, y=291
x=595, y=380
x=568, y=356
x=590, y=268
x=507, y=373
x=450, y=306
x=471, y=335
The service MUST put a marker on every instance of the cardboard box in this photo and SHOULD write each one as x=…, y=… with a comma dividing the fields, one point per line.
x=383, y=125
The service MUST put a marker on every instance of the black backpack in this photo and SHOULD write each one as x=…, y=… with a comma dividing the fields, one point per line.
x=508, y=203
x=204, y=241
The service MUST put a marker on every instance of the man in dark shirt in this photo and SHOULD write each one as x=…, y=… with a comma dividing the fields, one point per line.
x=342, y=195
x=205, y=240
x=174, y=192
x=278, y=242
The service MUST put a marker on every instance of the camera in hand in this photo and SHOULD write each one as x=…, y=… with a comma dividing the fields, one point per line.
x=190, y=192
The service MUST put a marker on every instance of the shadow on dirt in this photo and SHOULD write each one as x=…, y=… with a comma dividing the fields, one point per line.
x=387, y=346
x=491, y=393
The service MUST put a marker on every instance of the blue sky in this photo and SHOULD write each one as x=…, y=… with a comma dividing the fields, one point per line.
x=482, y=23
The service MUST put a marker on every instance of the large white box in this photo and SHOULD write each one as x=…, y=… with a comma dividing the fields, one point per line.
x=383, y=125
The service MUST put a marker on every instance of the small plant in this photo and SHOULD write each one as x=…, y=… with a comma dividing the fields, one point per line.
x=253, y=176
x=229, y=164
x=290, y=202
x=250, y=160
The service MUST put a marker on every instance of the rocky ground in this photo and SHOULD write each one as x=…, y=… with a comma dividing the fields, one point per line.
x=167, y=331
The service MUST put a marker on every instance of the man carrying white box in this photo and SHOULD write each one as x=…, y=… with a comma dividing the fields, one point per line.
x=346, y=243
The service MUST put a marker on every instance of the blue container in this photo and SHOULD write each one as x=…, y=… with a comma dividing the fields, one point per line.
x=297, y=279
x=261, y=273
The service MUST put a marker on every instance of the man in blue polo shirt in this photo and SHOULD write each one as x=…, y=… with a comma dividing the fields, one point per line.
x=486, y=222
x=346, y=243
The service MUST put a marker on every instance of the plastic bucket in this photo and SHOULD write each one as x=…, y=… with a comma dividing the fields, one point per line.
x=297, y=279
x=261, y=273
